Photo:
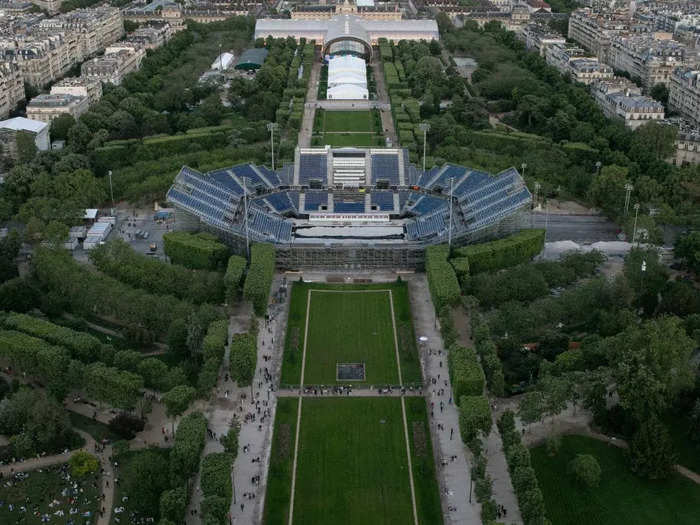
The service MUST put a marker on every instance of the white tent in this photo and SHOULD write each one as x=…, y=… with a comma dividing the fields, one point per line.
x=347, y=78
x=222, y=62
x=347, y=92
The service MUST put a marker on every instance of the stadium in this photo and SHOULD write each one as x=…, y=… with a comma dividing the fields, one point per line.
x=346, y=208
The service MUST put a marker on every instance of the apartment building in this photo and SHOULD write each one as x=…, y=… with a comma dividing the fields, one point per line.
x=50, y=6
x=684, y=93
x=41, y=58
x=117, y=62
x=620, y=98
x=687, y=145
x=151, y=36
x=595, y=30
x=47, y=107
x=11, y=87
x=538, y=37
x=79, y=87
x=587, y=70
x=650, y=57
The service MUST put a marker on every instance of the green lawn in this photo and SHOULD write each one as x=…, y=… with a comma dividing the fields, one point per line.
x=352, y=466
x=621, y=499
x=347, y=328
x=279, y=482
x=348, y=121
x=342, y=140
x=42, y=488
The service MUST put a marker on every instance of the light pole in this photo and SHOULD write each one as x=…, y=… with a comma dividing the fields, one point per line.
x=598, y=164
x=271, y=127
x=449, y=229
x=111, y=193
x=537, y=191
x=628, y=192
x=424, y=127
x=634, y=230
x=523, y=166
x=221, y=60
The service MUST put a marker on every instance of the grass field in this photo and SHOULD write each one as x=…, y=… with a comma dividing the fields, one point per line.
x=279, y=481
x=334, y=121
x=342, y=140
x=43, y=487
x=352, y=467
x=621, y=499
x=348, y=328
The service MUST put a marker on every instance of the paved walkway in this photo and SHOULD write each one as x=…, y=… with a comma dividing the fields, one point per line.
x=307, y=122
x=385, y=108
x=256, y=434
x=496, y=465
x=451, y=454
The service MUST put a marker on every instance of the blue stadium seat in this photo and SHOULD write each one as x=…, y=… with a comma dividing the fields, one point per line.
x=384, y=200
x=315, y=199
x=348, y=207
x=443, y=181
x=313, y=167
x=386, y=168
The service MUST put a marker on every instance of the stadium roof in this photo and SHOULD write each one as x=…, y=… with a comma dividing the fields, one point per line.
x=252, y=58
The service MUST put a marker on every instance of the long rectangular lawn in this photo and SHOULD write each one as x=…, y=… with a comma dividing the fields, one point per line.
x=350, y=327
x=352, y=467
x=348, y=121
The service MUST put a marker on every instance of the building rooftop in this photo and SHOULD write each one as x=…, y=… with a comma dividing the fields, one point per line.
x=23, y=124
x=55, y=100
x=252, y=58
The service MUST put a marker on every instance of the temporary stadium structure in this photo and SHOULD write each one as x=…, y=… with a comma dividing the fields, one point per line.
x=350, y=207
x=347, y=78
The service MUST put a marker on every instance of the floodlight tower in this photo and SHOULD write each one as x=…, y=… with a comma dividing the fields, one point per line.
x=634, y=229
x=424, y=127
x=628, y=191
x=523, y=166
x=271, y=127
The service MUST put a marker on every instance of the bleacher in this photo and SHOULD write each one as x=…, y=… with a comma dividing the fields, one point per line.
x=427, y=176
x=280, y=202
x=495, y=185
x=192, y=179
x=443, y=180
x=426, y=227
x=268, y=226
x=315, y=199
x=384, y=200
x=348, y=207
x=223, y=178
x=427, y=204
x=270, y=175
x=202, y=209
x=500, y=209
x=313, y=167
x=474, y=180
x=385, y=168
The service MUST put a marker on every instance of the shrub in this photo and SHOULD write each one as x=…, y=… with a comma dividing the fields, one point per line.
x=83, y=463
x=214, y=342
x=442, y=280
x=465, y=372
x=256, y=288
x=233, y=277
x=503, y=253
x=190, y=438
x=243, y=358
x=216, y=475
x=199, y=251
x=474, y=417
x=586, y=470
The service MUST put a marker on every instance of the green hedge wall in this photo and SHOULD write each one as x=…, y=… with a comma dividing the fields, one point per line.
x=503, y=253
x=200, y=251
x=233, y=277
x=216, y=475
x=461, y=267
x=442, y=280
x=256, y=288
x=465, y=373
x=190, y=438
x=474, y=417
x=243, y=356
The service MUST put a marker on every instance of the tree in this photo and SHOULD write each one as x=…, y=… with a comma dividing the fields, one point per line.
x=687, y=248
x=660, y=92
x=26, y=146
x=586, y=470
x=177, y=337
x=694, y=419
x=230, y=440
x=651, y=365
x=532, y=407
x=608, y=189
x=61, y=125
x=177, y=400
x=83, y=463
x=474, y=417
x=651, y=453
x=173, y=504
x=79, y=136
x=144, y=480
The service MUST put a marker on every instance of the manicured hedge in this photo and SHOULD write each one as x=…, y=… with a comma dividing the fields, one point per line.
x=190, y=438
x=256, y=288
x=198, y=251
x=117, y=259
x=81, y=345
x=461, y=267
x=474, y=417
x=465, y=372
x=243, y=356
x=486, y=348
x=87, y=292
x=503, y=253
x=522, y=474
x=214, y=343
x=216, y=475
x=442, y=280
x=233, y=277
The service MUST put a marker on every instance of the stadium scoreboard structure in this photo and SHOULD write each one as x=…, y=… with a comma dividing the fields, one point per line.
x=350, y=207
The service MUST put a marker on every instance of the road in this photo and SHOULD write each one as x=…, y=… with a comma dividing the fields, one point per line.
x=577, y=228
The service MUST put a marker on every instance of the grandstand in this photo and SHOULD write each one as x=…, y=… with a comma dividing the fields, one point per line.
x=348, y=207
